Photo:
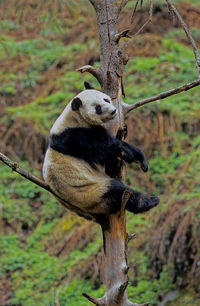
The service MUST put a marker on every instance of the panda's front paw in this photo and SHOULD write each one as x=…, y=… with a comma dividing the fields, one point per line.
x=134, y=154
x=144, y=165
x=128, y=156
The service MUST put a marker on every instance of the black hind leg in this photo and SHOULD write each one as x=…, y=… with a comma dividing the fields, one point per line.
x=114, y=195
x=137, y=202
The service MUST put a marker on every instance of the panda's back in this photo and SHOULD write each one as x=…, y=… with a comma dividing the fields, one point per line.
x=75, y=180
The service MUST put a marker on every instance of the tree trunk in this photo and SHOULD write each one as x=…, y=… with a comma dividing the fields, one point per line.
x=110, y=76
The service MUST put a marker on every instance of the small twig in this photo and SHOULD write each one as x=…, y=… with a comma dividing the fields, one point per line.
x=148, y=20
x=123, y=4
x=129, y=237
x=187, y=32
x=134, y=11
x=135, y=304
x=142, y=27
x=163, y=95
x=98, y=302
x=94, y=71
x=126, y=195
x=127, y=32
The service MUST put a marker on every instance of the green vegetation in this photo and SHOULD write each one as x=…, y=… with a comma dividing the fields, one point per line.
x=48, y=256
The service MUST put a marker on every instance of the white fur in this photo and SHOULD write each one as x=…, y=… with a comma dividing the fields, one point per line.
x=86, y=115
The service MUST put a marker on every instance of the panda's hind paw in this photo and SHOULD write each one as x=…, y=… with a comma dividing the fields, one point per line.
x=146, y=203
x=140, y=203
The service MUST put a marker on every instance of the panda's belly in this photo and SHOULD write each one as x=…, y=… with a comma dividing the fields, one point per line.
x=75, y=180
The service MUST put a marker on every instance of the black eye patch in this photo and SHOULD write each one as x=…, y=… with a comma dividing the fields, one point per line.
x=106, y=100
x=98, y=109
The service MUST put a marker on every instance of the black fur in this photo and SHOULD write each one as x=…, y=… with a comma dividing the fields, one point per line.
x=98, y=109
x=137, y=202
x=106, y=100
x=114, y=195
x=76, y=103
x=96, y=146
x=88, y=85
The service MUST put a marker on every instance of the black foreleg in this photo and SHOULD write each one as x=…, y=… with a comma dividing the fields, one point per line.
x=137, y=202
x=134, y=154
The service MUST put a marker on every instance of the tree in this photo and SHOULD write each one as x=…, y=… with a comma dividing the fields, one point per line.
x=110, y=77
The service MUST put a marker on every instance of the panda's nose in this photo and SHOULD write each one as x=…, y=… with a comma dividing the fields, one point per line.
x=113, y=112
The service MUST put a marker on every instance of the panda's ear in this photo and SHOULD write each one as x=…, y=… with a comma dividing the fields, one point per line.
x=76, y=103
x=88, y=85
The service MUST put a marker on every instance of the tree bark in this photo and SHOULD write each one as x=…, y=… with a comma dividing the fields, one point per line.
x=113, y=226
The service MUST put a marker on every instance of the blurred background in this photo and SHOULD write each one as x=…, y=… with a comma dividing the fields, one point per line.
x=49, y=256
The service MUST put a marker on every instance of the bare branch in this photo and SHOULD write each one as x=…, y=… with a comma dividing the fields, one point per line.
x=98, y=302
x=134, y=11
x=148, y=20
x=127, y=32
x=187, y=32
x=135, y=304
x=94, y=71
x=129, y=237
x=142, y=27
x=123, y=4
x=15, y=167
x=163, y=95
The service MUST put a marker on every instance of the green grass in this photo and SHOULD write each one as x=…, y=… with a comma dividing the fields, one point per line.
x=34, y=275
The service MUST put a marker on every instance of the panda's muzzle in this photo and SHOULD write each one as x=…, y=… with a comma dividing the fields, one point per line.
x=113, y=112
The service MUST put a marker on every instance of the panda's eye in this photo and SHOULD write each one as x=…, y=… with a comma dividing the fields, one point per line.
x=107, y=100
x=98, y=109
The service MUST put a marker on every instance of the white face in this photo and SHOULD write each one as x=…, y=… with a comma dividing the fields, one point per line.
x=96, y=107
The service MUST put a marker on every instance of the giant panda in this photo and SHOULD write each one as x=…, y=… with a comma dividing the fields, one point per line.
x=79, y=149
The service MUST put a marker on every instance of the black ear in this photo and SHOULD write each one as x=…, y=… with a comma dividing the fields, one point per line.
x=76, y=103
x=88, y=85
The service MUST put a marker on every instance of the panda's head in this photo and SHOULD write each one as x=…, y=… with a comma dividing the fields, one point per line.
x=94, y=107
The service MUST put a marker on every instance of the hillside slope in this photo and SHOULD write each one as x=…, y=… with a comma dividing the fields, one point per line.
x=48, y=255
